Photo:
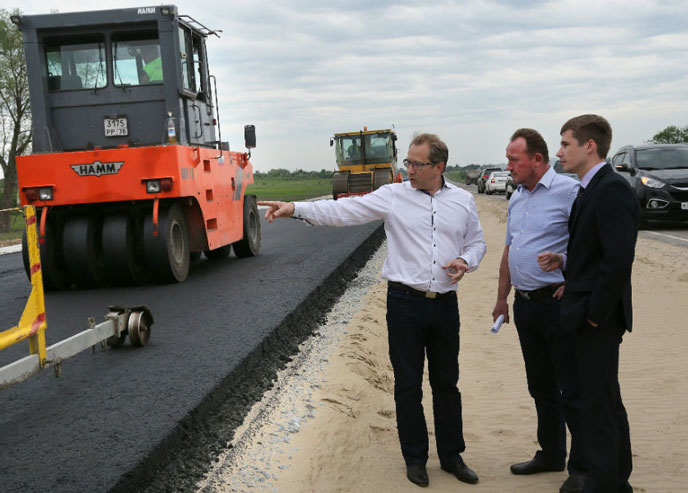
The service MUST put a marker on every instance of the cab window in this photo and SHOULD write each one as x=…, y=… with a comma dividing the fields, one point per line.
x=136, y=59
x=186, y=60
x=75, y=63
x=199, y=66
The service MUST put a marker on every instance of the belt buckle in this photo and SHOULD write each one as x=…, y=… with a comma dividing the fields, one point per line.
x=524, y=294
x=431, y=294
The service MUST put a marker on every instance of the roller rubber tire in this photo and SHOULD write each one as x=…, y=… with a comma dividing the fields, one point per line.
x=54, y=273
x=168, y=254
x=81, y=242
x=119, y=250
x=249, y=245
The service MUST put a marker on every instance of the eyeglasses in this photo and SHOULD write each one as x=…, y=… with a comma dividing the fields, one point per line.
x=416, y=165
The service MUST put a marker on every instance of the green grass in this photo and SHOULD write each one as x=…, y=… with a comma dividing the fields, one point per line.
x=16, y=227
x=458, y=176
x=289, y=190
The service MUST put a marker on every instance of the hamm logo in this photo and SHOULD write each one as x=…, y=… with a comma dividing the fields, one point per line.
x=97, y=168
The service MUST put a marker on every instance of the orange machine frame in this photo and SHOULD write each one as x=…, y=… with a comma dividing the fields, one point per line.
x=213, y=181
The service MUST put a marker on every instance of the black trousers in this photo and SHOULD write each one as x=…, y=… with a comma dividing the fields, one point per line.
x=417, y=326
x=604, y=419
x=550, y=363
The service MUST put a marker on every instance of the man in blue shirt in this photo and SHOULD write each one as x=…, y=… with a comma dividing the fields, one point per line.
x=538, y=222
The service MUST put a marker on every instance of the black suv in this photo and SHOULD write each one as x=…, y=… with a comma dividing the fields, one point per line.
x=659, y=175
x=484, y=175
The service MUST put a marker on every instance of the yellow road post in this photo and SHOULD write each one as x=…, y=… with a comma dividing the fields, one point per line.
x=32, y=323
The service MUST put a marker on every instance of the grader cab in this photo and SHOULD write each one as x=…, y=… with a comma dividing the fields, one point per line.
x=366, y=160
x=129, y=173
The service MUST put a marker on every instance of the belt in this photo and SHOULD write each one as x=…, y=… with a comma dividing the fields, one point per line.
x=422, y=294
x=538, y=294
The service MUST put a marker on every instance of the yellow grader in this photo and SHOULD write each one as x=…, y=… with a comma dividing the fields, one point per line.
x=366, y=160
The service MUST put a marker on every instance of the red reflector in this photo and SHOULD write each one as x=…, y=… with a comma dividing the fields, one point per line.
x=166, y=184
x=31, y=194
x=214, y=121
x=492, y=180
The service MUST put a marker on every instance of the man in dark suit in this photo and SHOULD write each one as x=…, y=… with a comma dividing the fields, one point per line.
x=596, y=305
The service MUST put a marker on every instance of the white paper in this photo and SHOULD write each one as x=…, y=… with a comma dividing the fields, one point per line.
x=498, y=323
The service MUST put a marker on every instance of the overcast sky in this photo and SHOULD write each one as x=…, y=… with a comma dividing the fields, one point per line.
x=472, y=71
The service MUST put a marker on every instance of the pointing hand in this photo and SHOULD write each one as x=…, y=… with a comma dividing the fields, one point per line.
x=277, y=209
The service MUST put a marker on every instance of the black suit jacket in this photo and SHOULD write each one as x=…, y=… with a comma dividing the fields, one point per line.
x=603, y=228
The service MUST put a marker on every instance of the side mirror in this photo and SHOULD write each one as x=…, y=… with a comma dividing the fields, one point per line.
x=250, y=136
x=624, y=168
x=331, y=142
x=394, y=137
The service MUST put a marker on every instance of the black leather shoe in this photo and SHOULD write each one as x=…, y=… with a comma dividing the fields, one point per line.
x=462, y=472
x=573, y=484
x=537, y=464
x=417, y=474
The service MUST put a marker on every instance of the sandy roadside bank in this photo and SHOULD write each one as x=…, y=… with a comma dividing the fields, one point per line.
x=350, y=444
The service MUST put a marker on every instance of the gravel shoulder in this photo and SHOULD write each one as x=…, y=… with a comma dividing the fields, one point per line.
x=329, y=422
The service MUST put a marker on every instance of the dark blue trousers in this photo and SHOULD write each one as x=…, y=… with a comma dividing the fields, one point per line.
x=416, y=327
x=550, y=360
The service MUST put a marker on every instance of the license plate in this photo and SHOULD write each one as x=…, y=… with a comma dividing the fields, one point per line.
x=116, y=127
x=684, y=205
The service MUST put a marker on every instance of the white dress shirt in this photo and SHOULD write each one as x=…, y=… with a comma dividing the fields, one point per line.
x=424, y=232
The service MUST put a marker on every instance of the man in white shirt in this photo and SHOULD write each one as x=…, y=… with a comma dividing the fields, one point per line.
x=433, y=238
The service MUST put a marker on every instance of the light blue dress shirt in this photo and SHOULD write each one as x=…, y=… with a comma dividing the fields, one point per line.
x=538, y=222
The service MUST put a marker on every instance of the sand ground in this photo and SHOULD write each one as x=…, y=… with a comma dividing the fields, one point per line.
x=349, y=441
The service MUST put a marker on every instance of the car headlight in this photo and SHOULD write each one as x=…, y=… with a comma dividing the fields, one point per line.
x=651, y=182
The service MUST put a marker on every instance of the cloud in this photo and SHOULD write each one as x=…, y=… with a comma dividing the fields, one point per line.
x=471, y=71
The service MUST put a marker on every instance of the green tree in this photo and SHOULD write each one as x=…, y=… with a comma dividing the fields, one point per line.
x=15, y=110
x=671, y=135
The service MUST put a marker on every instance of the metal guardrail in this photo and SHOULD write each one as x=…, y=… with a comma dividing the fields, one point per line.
x=121, y=321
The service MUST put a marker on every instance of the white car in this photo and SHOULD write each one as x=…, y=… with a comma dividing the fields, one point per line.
x=496, y=182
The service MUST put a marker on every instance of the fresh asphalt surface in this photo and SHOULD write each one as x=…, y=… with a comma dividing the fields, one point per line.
x=117, y=418
x=109, y=413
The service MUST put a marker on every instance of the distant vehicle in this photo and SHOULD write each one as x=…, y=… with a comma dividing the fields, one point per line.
x=496, y=182
x=472, y=176
x=509, y=187
x=484, y=175
x=366, y=160
x=658, y=174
